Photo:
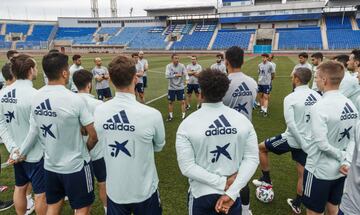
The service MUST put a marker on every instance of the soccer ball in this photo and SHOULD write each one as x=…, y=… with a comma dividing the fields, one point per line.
x=265, y=194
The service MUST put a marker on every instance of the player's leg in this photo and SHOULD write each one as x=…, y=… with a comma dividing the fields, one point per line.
x=198, y=97
x=100, y=175
x=21, y=185
x=277, y=145
x=180, y=94
x=79, y=187
x=315, y=194
x=171, y=98
x=245, y=200
x=99, y=93
x=55, y=209
x=20, y=200
x=37, y=172
x=30, y=205
x=189, y=92
x=337, y=187
x=151, y=206
x=107, y=94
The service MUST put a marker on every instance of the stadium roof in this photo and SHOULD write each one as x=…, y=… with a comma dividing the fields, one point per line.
x=342, y=3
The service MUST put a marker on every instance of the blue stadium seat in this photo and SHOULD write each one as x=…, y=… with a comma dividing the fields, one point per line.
x=343, y=39
x=228, y=38
x=125, y=36
x=149, y=38
x=108, y=30
x=17, y=28
x=199, y=39
x=337, y=22
x=300, y=38
x=78, y=35
x=40, y=33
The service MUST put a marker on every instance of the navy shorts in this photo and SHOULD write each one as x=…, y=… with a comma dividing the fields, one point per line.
x=279, y=146
x=193, y=88
x=176, y=94
x=151, y=206
x=205, y=205
x=78, y=187
x=26, y=172
x=317, y=192
x=265, y=89
x=145, y=81
x=139, y=88
x=99, y=168
x=104, y=93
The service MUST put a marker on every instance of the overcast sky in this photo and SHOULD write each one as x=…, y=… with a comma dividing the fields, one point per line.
x=51, y=9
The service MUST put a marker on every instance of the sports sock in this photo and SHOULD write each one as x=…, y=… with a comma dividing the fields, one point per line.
x=29, y=197
x=105, y=209
x=266, y=176
x=183, y=115
x=265, y=109
x=171, y=115
x=297, y=200
x=245, y=196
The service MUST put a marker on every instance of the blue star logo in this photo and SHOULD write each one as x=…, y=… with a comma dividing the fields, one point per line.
x=9, y=116
x=47, y=131
x=242, y=107
x=220, y=151
x=117, y=147
x=345, y=133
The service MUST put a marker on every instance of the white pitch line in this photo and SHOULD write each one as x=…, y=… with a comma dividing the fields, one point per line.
x=153, y=100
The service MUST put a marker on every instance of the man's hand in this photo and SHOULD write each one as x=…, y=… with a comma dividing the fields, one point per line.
x=344, y=169
x=83, y=131
x=15, y=157
x=230, y=180
x=178, y=75
x=223, y=204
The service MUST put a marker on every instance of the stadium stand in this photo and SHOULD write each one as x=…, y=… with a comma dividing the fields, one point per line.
x=40, y=33
x=199, y=39
x=340, y=34
x=230, y=37
x=108, y=30
x=300, y=38
x=149, y=38
x=125, y=36
x=17, y=28
x=277, y=18
x=77, y=35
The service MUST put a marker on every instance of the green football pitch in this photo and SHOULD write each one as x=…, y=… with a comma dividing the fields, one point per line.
x=173, y=186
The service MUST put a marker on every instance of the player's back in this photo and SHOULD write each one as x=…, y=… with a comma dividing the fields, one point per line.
x=59, y=114
x=349, y=87
x=16, y=108
x=132, y=133
x=241, y=94
x=333, y=121
x=218, y=140
x=301, y=102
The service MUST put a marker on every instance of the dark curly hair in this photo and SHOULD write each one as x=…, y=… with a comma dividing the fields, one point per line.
x=214, y=85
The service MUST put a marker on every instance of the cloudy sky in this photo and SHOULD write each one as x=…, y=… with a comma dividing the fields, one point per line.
x=51, y=9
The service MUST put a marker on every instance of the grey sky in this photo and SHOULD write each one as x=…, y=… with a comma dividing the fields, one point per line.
x=51, y=9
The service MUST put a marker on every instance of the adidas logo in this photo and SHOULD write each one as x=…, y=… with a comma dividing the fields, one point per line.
x=348, y=113
x=119, y=122
x=10, y=97
x=44, y=109
x=221, y=126
x=311, y=100
x=242, y=90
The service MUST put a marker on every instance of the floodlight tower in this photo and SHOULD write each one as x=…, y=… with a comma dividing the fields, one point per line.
x=113, y=4
x=94, y=8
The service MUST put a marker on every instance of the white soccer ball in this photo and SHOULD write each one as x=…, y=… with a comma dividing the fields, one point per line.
x=265, y=194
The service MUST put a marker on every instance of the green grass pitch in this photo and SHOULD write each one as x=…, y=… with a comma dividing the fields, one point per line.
x=173, y=186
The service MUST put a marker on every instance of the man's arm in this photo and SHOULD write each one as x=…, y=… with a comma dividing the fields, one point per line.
x=92, y=136
x=97, y=77
x=319, y=135
x=248, y=165
x=159, y=137
x=140, y=73
x=289, y=115
x=87, y=122
x=106, y=75
x=188, y=166
x=4, y=134
x=31, y=137
x=169, y=74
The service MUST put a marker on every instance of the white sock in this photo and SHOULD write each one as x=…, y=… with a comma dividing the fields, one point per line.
x=183, y=114
x=245, y=207
x=171, y=115
x=262, y=108
x=105, y=209
x=29, y=197
x=265, y=109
